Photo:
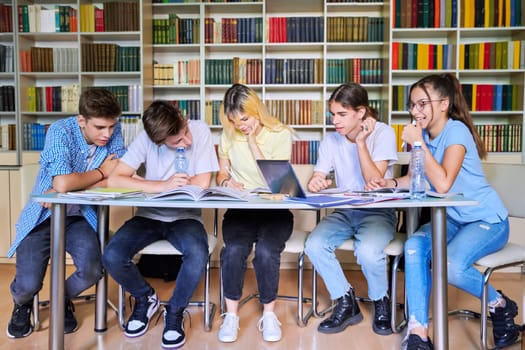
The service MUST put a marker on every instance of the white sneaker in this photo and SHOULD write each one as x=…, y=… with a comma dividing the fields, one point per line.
x=270, y=327
x=229, y=328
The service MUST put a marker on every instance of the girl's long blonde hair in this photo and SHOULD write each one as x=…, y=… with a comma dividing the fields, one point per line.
x=240, y=99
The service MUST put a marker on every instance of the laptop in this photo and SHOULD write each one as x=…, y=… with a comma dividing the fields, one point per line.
x=281, y=177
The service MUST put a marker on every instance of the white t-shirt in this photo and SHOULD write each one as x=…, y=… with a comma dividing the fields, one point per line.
x=159, y=164
x=338, y=153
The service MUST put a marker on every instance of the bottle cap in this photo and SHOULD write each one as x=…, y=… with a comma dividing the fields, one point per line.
x=417, y=144
x=180, y=149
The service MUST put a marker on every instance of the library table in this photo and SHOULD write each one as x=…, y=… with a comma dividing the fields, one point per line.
x=58, y=213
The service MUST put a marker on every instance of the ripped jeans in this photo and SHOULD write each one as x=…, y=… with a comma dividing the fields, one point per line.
x=466, y=243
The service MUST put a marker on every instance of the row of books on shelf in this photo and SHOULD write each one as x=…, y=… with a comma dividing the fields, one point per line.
x=109, y=57
x=424, y=13
x=359, y=70
x=7, y=98
x=492, y=55
x=297, y=112
x=171, y=29
x=479, y=97
x=34, y=136
x=495, y=137
x=247, y=70
x=131, y=126
x=295, y=29
x=7, y=62
x=52, y=98
x=110, y=16
x=378, y=105
x=181, y=72
x=422, y=56
x=47, y=18
x=233, y=30
x=305, y=152
x=501, y=137
x=294, y=71
x=6, y=18
x=8, y=137
x=443, y=13
x=355, y=29
x=493, y=13
x=128, y=96
x=49, y=59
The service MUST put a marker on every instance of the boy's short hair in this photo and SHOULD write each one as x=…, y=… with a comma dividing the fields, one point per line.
x=98, y=103
x=162, y=119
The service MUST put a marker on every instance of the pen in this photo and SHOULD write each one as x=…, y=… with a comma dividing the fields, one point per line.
x=404, y=143
x=228, y=169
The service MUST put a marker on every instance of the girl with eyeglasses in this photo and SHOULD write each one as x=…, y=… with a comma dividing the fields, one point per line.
x=453, y=164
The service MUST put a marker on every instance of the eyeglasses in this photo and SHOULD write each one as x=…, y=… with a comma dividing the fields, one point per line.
x=420, y=105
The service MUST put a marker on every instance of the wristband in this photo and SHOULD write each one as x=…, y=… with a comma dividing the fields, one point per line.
x=395, y=182
x=101, y=173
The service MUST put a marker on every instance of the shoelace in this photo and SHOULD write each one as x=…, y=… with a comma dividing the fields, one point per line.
x=70, y=308
x=171, y=320
x=21, y=313
x=140, y=309
x=263, y=322
x=229, y=322
x=381, y=309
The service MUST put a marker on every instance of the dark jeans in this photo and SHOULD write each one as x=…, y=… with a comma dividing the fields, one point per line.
x=241, y=229
x=187, y=236
x=32, y=257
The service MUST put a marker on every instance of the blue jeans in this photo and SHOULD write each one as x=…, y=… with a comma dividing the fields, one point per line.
x=187, y=236
x=241, y=229
x=32, y=257
x=372, y=230
x=466, y=243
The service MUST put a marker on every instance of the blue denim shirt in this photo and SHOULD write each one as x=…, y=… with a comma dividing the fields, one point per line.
x=65, y=151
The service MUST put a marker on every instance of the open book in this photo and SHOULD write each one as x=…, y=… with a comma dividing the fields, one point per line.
x=197, y=193
x=100, y=193
x=389, y=192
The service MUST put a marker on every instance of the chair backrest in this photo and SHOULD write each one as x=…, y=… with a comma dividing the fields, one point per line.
x=507, y=180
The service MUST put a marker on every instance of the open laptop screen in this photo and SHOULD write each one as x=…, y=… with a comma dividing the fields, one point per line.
x=280, y=177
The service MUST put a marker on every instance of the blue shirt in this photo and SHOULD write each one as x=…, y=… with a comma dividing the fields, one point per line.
x=471, y=180
x=65, y=151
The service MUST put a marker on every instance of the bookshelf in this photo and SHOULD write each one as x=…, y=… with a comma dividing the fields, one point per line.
x=293, y=53
x=483, y=46
x=64, y=47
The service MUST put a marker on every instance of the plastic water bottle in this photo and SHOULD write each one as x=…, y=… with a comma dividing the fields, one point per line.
x=417, y=172
x=181, y=162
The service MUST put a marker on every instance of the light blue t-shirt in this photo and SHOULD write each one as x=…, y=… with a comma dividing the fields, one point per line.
x=471, y=180
x=159, y=163
x=338, y=153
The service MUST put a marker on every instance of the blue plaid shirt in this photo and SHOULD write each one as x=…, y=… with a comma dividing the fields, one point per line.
x=65, y=152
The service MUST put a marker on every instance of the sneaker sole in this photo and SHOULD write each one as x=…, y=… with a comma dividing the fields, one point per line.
x=174, y=346
x=149, y=315
x=227, y=340
x=351, y=321
x=9, y=335
x=380, y=331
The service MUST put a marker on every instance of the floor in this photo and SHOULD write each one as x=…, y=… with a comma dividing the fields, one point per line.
x=463, y=333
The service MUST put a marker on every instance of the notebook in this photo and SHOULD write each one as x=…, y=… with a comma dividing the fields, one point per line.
x=281, y=178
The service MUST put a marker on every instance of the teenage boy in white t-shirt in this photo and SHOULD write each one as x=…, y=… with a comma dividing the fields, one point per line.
x=165, y=129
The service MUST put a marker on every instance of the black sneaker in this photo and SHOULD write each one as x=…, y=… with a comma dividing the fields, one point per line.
x=382, y=316
x=145, y=307
x=414, y=342
x=70, y=322
x=173, y=335
x=506, y=332
x=20, y=324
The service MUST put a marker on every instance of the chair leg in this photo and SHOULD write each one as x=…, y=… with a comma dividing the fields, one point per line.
x=36, y=313
x=302, y=317
x=484, y=308
x=397, y=326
